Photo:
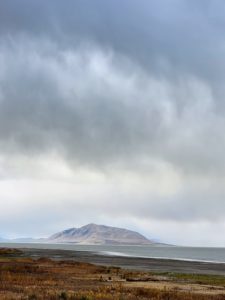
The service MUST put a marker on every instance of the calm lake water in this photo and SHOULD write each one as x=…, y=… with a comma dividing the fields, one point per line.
x=182, y=253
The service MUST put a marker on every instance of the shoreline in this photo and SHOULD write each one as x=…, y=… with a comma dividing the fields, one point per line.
x=104, y=253
x=109, y=252
x=76, y=275
x=159, y=265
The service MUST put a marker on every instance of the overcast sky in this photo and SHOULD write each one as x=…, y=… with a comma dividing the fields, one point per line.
x=113, y=112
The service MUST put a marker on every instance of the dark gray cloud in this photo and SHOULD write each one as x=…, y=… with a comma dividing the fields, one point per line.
x=178, y=44
x=94, y=111
x=187, y=35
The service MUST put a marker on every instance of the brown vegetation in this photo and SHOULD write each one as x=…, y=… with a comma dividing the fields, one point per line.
x=10, y=252
x=27, y=278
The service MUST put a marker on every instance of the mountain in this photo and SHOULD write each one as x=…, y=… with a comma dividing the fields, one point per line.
x=28, y=240
x=22, y=240
x=99, y=234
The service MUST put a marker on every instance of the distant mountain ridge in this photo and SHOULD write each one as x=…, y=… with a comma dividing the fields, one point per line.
x=22, y=240
x=100, y=235
x=2, y=240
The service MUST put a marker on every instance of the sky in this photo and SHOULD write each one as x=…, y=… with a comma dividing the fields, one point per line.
x=113, y=112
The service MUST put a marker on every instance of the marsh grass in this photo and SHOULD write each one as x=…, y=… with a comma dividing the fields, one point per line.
x=217, y=280
x=31, y=279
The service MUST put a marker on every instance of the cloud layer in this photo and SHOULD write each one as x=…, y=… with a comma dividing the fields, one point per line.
x=113, y=110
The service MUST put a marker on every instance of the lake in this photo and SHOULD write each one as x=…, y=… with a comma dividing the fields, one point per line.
x=166, y=252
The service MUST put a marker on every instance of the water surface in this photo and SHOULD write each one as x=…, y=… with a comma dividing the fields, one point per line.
x=166, y=252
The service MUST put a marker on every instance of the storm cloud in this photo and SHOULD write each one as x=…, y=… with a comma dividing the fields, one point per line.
x=113, y=109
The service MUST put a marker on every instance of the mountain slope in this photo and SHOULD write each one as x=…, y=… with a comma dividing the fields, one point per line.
x=99, y=234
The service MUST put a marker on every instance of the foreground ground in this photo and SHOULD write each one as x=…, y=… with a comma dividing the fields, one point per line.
x=23, y=277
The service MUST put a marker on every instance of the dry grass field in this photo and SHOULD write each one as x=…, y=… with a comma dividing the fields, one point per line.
x=28, y=278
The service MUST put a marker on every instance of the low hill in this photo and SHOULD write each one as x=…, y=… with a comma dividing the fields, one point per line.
x=99, y=234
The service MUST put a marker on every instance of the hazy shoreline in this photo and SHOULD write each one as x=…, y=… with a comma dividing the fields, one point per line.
x=128, y=262
x=174, y=253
